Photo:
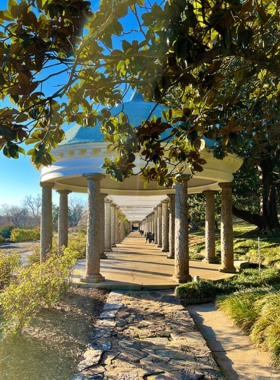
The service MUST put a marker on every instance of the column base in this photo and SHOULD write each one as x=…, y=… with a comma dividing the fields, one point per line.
x=164, y=250
x=108, y=250
x=93, y=278
x=181, y=279
x=113, y=245
x=211, y=261
x=159, y=246
x=170, y=257
x=103, y=256
x=227, y=269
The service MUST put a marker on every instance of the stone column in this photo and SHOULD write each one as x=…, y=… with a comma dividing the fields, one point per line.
x=93, y=229
x=102, y=226
x=171, y=226
x=113, y=242
x=165, y=226
x=152, y=222
x=108, y=225
x=116, y=225
x=63, y=219
x=210, y=227
x=159, y=226
x=46, y=220
x=226, y=229
x=182, y=232
x=155, y=225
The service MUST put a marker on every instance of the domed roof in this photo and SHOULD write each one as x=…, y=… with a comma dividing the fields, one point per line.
x=136, y=109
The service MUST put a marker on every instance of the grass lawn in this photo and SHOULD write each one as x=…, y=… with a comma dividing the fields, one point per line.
x=245, y=248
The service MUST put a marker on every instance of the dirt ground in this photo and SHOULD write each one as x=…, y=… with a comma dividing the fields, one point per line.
x=51, y=348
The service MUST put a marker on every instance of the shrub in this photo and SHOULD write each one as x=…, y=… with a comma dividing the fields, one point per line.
x=82, y=231
x=196, y=290
x=6, y=231
x=37, y=286
x=34, y=257
x=8, y=263
x=78, y=244
x=240, y=307
x=2, y=239
x=19, y=235
x=249, y=278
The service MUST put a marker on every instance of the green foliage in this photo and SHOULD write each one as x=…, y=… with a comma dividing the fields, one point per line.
x=256, y=311
x=241, y=307
x=196, y=290
x=248, y=278
x=34, y=257
x=19, y=235
x=82, y=231
x=37, y=286
x=6, y=231
x=2, y=239
x=78, y=243
x=8, y=264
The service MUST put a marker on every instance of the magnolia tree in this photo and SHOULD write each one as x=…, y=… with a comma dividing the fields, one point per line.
x=223, y=58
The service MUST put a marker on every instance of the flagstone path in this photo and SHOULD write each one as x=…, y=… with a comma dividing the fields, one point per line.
x=145, y=335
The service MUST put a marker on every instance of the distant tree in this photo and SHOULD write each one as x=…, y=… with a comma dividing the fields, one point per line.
x=17, y=215
x=55, y=214
x=34, y=206
x=77, y=207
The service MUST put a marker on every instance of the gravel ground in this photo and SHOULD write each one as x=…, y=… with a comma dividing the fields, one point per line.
x=51, y=348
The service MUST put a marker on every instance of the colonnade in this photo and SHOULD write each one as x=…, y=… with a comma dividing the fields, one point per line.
x=106, y=226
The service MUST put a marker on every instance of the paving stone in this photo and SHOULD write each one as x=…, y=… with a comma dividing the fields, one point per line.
x=158, y=341
x=109, y=314
x=146, y=335
x=91, y=358
x=101, y=346
x=129, y=344
x=112, y=306
x=105, y=324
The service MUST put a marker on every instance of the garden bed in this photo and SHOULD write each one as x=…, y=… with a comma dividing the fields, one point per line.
x=52, y=346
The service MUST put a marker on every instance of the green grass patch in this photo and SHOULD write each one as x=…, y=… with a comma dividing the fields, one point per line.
x=256, y=312
x=249, y=278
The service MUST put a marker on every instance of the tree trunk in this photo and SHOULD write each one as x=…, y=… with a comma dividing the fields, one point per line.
x=267, y=221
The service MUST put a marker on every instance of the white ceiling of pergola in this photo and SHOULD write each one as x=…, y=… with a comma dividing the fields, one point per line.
x=136, y=208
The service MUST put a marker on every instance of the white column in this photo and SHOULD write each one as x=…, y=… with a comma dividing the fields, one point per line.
x=93, y=229
x=159, y=225
x=116, y=225
x=102, y=226
x=108, y=225
x=171, y=226
x=63, y=219
x=165, y=226
x=182, y=274
x=227, y=229
x=46, y=220
x=155, y=225
x=113, y=242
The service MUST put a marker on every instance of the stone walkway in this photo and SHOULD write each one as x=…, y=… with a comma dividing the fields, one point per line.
x=146, y=336
x=137, y=265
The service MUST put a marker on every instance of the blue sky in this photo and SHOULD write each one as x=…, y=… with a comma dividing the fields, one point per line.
x=18, y=177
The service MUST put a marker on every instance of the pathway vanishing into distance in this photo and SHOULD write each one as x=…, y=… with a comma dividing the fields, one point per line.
x=135, y=264
x=146, y=335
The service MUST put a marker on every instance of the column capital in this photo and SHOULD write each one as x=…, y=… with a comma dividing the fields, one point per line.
x=94, y=176
x=165, y=201
x=113, y=204
x=185, y=177
x=155, y=209
x=159, y=205
x=63, y=192
x=226, y=185
x=210, y=192
x=107, y=200
x=103, y=195
x=171, y=196
x=48, y=185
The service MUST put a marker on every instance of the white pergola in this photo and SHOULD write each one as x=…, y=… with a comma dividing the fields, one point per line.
x=77, y=169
